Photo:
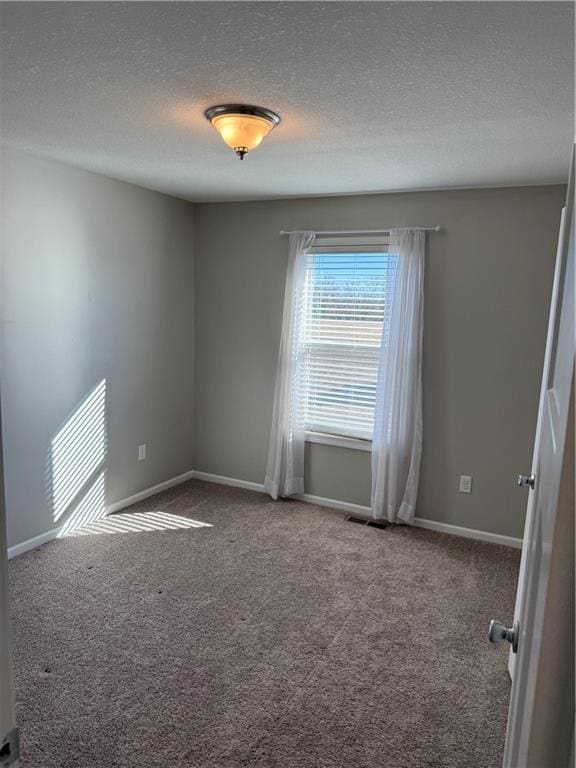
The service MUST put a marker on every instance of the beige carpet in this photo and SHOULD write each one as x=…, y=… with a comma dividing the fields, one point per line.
x=281, y=636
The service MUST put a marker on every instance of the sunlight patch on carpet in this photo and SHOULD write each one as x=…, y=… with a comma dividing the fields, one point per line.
x=136, y=522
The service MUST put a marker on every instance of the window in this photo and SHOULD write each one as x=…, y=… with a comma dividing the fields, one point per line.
x=346, y=306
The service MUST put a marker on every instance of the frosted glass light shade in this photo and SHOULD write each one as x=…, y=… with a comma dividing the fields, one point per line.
x=242, y=127
x=242, y=130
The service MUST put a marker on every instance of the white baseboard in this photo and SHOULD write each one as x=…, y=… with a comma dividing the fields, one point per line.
x=221, y=480
x=35, y=541
x=419, y=522
x=340, y=506
x=147, y=492
x=358, y=509
x=321, y=501
x=469, y=533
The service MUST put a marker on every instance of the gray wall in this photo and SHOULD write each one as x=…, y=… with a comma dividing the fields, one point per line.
x=97, y=284
x=488, y=282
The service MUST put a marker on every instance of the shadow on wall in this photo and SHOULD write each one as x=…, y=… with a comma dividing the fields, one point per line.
x=76, y=467
x=76, y=478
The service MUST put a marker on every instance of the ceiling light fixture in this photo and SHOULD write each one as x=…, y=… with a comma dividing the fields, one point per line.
x=242, y=126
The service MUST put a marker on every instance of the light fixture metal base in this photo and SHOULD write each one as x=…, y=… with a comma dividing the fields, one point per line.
x=242, y=109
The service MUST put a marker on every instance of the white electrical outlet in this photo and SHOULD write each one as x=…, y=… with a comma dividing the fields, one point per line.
x=141, y=452
x=465, y=484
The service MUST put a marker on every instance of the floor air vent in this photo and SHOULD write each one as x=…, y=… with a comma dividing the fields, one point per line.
x=364, y=521
x=378, y=524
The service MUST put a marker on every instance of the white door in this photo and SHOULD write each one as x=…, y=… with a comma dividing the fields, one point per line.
x=526, y=481
x=8, y=735
x=546, y=530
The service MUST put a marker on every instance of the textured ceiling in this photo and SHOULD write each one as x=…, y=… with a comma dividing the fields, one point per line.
x=374, y=96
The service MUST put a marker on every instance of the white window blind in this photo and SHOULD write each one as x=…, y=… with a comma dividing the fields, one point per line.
x=347, y=307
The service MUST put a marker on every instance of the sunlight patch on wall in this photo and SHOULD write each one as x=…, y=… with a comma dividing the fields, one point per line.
x=78, y=449
x=77, y=478
x=135, y=522
x=76, y=467
x=91, y=507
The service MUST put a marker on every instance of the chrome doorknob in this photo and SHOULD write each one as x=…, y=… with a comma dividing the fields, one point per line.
x=525, y=481
x=498, y=633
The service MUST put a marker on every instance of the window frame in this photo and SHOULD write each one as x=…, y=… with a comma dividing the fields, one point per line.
x=346, y=244
x=323, y=438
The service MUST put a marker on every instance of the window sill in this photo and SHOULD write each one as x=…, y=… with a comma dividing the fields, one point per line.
x=340, y=441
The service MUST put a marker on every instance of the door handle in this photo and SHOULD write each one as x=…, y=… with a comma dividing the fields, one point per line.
x=526, y=482
x=498, y=633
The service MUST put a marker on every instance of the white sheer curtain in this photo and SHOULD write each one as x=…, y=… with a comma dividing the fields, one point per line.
x=285, y=470
x=397, y=439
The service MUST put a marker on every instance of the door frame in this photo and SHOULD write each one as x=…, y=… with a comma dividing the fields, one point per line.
x=545, y=597
x=529, y=521
x=7, y=715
